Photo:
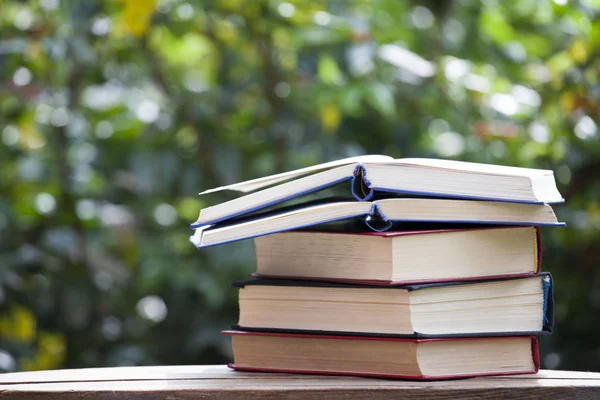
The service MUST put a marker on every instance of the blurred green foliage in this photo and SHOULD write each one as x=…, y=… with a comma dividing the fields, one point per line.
x=114, y=114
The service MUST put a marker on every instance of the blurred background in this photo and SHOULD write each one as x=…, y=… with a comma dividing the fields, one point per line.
x=115, y=114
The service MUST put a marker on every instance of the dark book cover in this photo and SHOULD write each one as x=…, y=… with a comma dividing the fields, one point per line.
x=548, y=307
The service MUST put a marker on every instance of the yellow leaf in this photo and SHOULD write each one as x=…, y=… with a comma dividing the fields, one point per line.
x=330, y=117
x=567, y=101
x=30, y=138
x=225, y=31
x=579, y=51
x=34, y=50
x=51, y=350
x=137, y=15
x=24, y=323
x=19, y=324
x=233, y=5
x=50, y=353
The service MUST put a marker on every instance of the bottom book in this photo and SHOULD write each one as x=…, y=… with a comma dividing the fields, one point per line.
x=423, y=359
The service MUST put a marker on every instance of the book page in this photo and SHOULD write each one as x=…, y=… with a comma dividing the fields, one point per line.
x=255, y=184
x=471, y=167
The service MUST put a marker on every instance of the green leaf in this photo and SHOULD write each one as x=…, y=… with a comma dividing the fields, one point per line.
x=535, y=45
x=493, y=24
x=188, y=208
x=329, y=72
x=350, y=101
x=380, y=96
x=191, y=51
x=544, y=12
x=595, y=4
x=595, y=32
x=559, y=63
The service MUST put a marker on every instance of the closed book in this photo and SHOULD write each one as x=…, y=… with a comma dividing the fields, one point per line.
x=402, y=257
x=420, y=359
x=368, y=176
x=520, y=306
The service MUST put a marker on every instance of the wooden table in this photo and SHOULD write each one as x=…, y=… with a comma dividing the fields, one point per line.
x=216, y=381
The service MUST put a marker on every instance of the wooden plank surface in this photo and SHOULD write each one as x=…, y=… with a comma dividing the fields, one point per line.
x=197, y=382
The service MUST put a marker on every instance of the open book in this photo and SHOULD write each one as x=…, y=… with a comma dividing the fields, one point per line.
x=379, y=216
x=372, y=174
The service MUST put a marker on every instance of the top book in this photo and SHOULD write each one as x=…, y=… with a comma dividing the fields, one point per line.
x=373, y=174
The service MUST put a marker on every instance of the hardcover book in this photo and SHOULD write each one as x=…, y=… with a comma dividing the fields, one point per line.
x=369, y=175
x=405, y=257
x=521, y=306
x=422, y=359
x=378, y=216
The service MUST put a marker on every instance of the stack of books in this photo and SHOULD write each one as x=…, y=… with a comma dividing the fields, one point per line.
x=431, y=270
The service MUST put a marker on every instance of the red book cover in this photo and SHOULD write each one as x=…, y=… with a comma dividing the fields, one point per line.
x=387, y=234
x=534, y=352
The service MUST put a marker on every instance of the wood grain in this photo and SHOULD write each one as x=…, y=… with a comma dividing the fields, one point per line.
x=199, y=382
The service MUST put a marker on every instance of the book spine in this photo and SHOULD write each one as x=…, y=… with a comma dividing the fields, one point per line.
x=376, y=219
x=360, y=186
x=535, y=351
x=538, y=250
x=548, y=306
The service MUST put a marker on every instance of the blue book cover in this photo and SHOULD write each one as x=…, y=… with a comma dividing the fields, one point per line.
x=378, y=216
x=370, y=177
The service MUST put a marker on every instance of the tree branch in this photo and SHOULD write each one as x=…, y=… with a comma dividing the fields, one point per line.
x=180, y=104
x=582, y=178
x=271, y=76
